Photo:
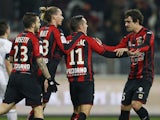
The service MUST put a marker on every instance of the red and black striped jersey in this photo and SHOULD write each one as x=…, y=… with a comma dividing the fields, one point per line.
x=142, y=66
x=51, y=32
x=25, y=49
x=52, y=38
x=79, y=60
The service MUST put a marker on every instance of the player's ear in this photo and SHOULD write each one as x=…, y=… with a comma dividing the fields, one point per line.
x=53, y=16
x=33, y=25
x=8, y=31
x=80, y=26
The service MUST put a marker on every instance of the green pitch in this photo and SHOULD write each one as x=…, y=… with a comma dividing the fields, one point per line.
x=90, y=118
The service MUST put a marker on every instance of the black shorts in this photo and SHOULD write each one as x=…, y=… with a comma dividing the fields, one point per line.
x=46, y=95
x=22, y=85
x=136, y=90
x=82, y=93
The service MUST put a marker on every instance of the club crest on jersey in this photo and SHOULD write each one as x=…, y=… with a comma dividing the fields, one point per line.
x=139, y=40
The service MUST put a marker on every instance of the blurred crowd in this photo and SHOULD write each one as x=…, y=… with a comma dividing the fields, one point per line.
x=105, y=17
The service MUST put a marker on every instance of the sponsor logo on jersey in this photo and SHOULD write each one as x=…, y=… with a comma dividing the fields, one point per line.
x=21, y=67
x=76, y=71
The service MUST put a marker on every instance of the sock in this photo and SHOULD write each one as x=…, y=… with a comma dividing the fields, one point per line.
x=12, y=114
x=125, y=115
x=31, y=115
x=73, y=115
x=81, y=116
x=142, y=113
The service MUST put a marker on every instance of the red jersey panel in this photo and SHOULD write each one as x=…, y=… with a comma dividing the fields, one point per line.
x=79, y=60
x=51, y=32
x=25, y=50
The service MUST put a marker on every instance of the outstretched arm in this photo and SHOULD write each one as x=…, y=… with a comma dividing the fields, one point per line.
x=110, y=54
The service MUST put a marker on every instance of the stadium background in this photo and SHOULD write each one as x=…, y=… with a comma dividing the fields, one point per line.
x=105, y=20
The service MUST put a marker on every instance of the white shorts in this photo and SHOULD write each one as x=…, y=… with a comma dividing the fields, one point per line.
x=2, y=90
x=3, y=83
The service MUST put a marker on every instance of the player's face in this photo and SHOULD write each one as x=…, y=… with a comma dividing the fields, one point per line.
x=129, y=24
x=58, y=17
x=37, y=24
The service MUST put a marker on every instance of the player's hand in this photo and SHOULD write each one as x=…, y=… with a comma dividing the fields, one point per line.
x=133, y=53
x=120, y=51
x=52, y=85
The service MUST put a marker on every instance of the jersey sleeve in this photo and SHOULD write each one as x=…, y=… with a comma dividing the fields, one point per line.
x=100, y=49
x=8, y=47
x=95, y=45
x=60, y=40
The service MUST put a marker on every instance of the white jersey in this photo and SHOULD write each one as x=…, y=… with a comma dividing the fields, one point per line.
x=5, y=47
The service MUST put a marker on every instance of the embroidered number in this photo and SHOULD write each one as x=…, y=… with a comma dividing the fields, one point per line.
x=24, y=56
x=45, y=47
x=72, y=55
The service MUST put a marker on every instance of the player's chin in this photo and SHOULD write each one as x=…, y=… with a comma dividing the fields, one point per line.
x=128, y=29
x=60, y=24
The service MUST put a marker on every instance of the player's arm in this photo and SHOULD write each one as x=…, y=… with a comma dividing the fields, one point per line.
x=38, y=51
x=53, y=63
x=50, y=84
x=110, y=54
x=98, y=47
x=43, y=67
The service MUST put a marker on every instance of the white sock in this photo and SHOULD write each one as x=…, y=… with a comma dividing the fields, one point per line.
x=12, y=114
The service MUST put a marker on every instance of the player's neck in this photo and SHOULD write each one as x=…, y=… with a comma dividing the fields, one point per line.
x=53, y=22
x=29, y=30
x=138, y=28
x=4, y=36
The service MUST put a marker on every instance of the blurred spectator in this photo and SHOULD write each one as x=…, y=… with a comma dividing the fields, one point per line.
x=145, y=8
x=76, y=7
x=112, y=37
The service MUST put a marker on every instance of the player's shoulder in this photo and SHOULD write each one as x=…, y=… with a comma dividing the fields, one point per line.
x=53, y=28
x=32, y=37
x=89, y=38
x=6, y=41
x=7, y=44
x=147, y=31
